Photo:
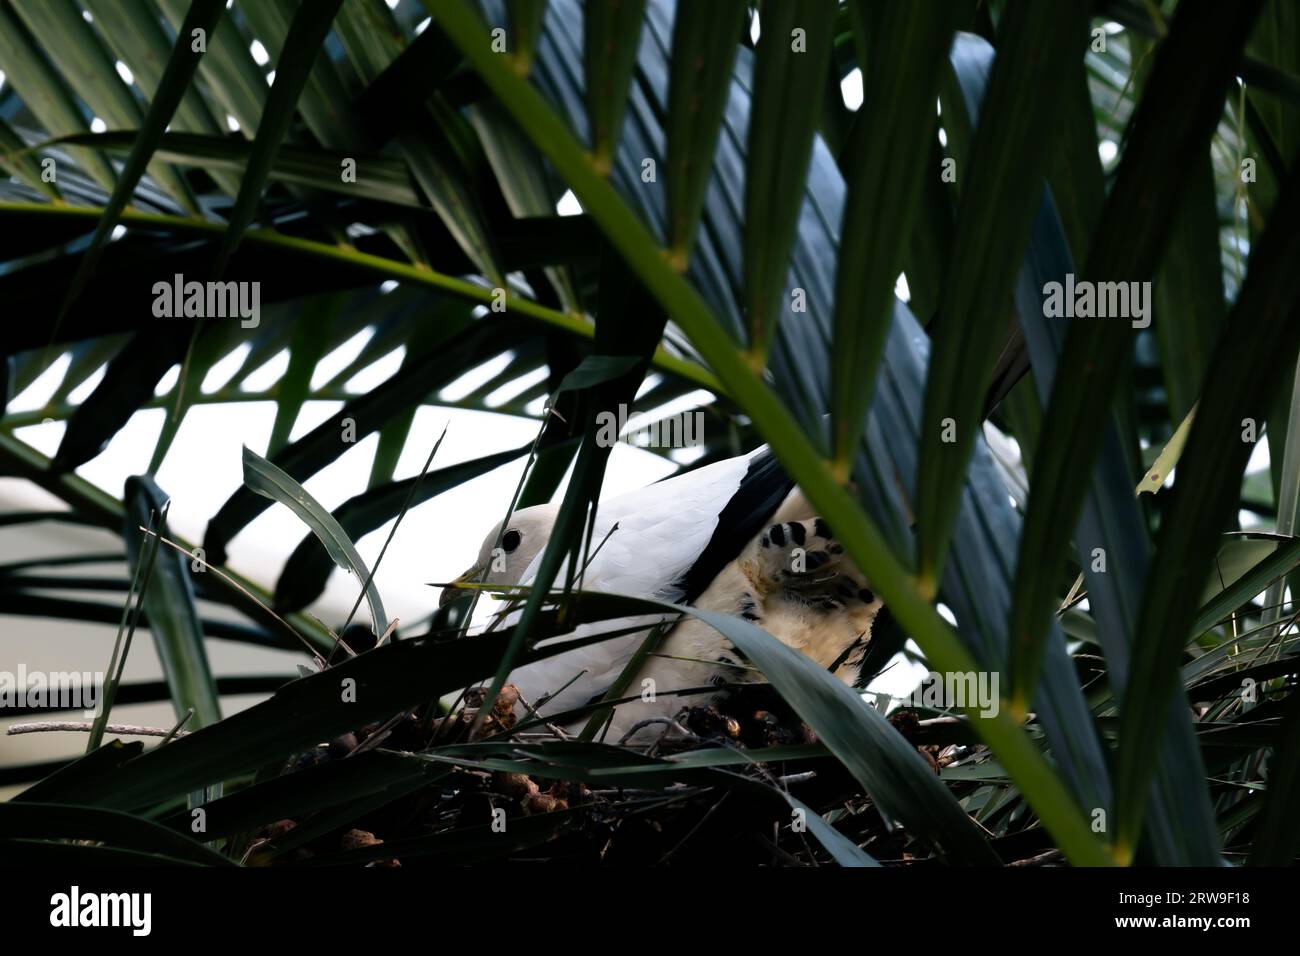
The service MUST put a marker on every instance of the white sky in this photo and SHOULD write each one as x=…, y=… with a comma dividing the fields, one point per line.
x=436, y=541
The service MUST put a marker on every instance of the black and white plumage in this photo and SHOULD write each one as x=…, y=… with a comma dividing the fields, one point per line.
x=794, y=581
x=735, y=537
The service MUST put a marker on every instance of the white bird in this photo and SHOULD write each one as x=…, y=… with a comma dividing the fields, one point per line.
x=697, y=538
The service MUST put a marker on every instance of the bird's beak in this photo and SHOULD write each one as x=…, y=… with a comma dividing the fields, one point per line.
x=452, y=592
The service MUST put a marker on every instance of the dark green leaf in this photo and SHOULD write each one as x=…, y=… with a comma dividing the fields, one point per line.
x=44, y=92
x=379, y=178
x=130, y=381
x=525, y=27
x=1256, y=354
x=1193, y=66
x=611, y=35
x=705, y=39
x=1000, y=195
x=793, y=51
x=173, y=616
x=31, y=821
x=272, y=482
x=172, y=88
x=302, y=45
x=904, y=50
x=87, y=67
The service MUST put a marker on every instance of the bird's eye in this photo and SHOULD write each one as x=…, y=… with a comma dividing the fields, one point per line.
x=511, y=540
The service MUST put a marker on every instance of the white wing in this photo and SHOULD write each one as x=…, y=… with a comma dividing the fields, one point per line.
x=662, y=528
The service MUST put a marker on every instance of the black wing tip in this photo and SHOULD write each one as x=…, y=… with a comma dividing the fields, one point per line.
x=760, y=492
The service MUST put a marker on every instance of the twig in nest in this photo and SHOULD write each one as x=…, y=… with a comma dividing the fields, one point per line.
x=671, y=725
x=558, y=731
x=392, y=629
x=46, y=726
x=796, y=777
x=384, y=731
x=1051, y=856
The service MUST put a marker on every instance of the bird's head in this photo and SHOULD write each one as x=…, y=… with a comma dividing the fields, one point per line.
x=506, y=554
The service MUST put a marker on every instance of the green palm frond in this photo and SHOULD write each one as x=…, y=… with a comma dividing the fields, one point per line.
x=398, y=180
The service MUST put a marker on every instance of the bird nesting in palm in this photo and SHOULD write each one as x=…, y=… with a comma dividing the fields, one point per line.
x=679, y=541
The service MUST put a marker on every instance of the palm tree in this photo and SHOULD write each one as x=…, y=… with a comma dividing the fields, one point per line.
x=741, y=230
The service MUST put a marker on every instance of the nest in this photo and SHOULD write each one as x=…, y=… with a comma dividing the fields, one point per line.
x=534, y=807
